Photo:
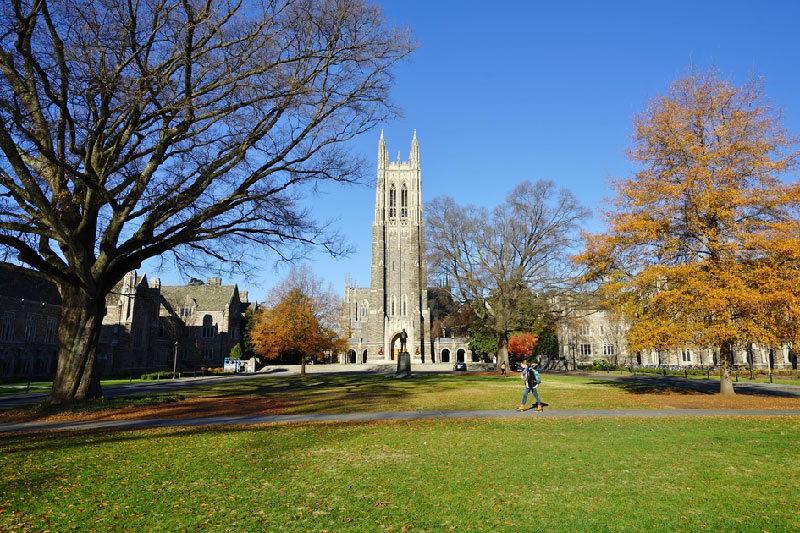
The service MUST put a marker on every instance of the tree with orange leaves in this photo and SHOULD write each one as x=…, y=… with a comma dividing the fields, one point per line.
x=520, y=345
x=703, y=242
x=300, y=321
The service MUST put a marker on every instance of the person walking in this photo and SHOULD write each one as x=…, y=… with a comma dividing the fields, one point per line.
x=530, y=377
x=503, y=368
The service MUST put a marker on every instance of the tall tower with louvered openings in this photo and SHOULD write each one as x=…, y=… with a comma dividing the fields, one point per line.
x=397, y=297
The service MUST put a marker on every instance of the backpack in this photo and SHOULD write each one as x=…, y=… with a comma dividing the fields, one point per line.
x=532, y=378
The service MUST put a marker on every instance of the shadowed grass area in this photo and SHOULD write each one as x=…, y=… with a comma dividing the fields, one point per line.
x=330, y=393
x=374, y=393
x=100, y=404
x=633, y=474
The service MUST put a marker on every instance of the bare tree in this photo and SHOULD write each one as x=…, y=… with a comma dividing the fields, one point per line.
x=497, y=259
x=300, y=316
x=132, y=129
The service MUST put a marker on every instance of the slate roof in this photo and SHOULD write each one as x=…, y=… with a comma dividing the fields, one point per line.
x=208, y=297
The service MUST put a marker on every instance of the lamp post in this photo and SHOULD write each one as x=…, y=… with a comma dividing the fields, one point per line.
x=572, y=353
x=175, y=361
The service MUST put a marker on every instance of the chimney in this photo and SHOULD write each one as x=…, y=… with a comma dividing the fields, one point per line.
x=213, y=282
x=242, y=296
x=155, y=283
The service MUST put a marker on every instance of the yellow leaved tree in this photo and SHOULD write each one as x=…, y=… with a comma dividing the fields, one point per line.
x=702, y=245
x=300, y=321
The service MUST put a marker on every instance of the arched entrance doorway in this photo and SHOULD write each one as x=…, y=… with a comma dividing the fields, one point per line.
x=445, y=356
x=460, y=355
x=351, y=356
x=394, y=346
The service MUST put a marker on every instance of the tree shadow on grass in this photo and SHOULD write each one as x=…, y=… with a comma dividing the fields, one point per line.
x=637, y=387
x=316, y=393
x=672, y=385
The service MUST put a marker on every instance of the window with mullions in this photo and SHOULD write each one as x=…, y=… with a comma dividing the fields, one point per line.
x=609, y=349
x=52, y=326
x=686, y=356
x=208, y=328
x=404, y=202
x=7, y=327
x=30, y=328
x=586, y=349
x=392, y=202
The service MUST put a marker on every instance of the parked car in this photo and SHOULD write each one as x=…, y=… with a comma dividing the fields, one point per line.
x=461, y=366
x=515, y=367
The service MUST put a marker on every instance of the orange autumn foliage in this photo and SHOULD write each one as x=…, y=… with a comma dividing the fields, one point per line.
x=521, y=345
x=301, y=321
x=703, y=242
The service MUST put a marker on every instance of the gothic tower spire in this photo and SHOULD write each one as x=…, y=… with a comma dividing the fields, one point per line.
x=383, y=155
x=414, y=157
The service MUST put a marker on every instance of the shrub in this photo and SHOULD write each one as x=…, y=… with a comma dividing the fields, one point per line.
x=162, y=374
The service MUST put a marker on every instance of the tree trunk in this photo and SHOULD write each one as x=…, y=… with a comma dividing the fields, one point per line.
x=78, y=333
x=302, y=366
x=725, y=383
x=502, y=351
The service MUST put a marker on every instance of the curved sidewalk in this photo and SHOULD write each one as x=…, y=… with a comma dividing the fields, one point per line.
x=407, y=415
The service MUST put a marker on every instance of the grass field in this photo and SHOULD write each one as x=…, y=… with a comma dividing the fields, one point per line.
x=737, y=474
x=780, y=378
x=329, y=393
x=715, y=473
x=21, y=387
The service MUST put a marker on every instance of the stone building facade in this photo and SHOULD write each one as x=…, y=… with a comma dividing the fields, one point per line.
x=397, y=298
x=29, y=312
x=586, y=335
x=149, y=326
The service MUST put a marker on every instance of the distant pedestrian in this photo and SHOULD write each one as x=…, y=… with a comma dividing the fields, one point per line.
x=503, y=368
x=530, y=377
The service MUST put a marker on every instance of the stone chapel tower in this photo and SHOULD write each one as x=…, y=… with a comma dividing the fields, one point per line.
x=398, y=291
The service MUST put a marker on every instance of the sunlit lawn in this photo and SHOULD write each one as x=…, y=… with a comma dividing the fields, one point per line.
x=331, y=393
x=21, y=387
x=718, y=474
x=743, y=376
x=320, y=393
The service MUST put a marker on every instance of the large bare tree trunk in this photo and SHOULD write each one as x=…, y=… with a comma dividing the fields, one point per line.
x=725, y=383
x=502, y=350
x=78, y=334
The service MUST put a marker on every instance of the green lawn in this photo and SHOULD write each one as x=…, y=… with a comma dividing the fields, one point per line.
x=744, y=376
x=329, y=393
x=21, y=387
x=324, y=393
x=723, y=474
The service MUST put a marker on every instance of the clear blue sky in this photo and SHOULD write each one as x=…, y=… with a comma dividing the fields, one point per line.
x=501, y=92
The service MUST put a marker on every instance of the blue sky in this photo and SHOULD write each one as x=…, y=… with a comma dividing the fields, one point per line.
x=501, y=92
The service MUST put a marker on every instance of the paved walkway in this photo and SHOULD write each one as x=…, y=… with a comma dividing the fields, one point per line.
x=403, y=415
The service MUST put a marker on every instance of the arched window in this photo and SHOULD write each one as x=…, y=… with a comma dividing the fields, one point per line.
x=208, y=327
x=404, y=202
x=392, y=201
